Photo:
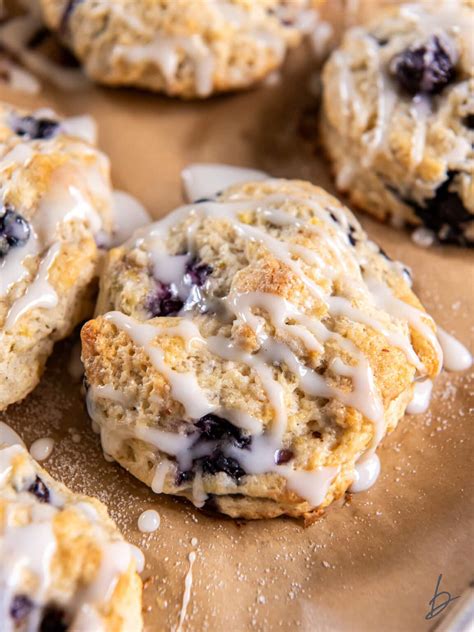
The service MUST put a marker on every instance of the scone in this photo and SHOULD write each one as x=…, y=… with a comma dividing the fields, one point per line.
x=253, y=350
x=63, y=563
x=398, y=117
x=55, y=209
x=187, y=48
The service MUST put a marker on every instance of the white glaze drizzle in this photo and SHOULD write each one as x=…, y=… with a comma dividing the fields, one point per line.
x=367, y=471
x=188, y=583
x=129, y=214
x=202, y=180
x=148, y=521
x=39, y=294
x=8, y=436
x=456, y=356
x=31, y=547
x=41, y=449
x=421, y=397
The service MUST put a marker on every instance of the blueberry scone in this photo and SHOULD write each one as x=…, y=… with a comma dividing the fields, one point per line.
x=189, y=48
x=63, y=563
x=253, y=349
x=398, y=117
x=55, y=209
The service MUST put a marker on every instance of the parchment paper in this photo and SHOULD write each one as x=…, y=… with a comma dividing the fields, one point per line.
x=370, y=563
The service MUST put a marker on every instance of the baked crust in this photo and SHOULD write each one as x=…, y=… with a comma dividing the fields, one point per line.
x=82, y=571
x=180, y=47
x=406, y=156
x=299, y=317
x=56, y=192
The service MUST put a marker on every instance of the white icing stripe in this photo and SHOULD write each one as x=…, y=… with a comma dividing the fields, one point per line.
x=367, y=471
x=420, y=321
x=40, y=294
x=129, y=214
x=206, y=179
x=188, y=582
x=456, y=356
x=184, y=386
x=421, y=397
x=41, y=448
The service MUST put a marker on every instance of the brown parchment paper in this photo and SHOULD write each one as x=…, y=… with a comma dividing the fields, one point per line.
x=372, y=562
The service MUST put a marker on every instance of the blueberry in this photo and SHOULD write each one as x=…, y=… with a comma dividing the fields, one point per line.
x=20, y=607
x=183, y=476
x=424, y=68
x=445, y=214
x=54, y=620
x=214, y=428
x=39, y=489
x=35, y=128
x=164, y=302
x=218, y=462
x=198, y=272
x=352, y=240
x=14, y=230
x=283, y=456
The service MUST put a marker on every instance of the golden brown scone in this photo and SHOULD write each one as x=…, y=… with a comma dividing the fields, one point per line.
x=63, y=563
x=252, y=348
x=55, y=209
x=398, y=118
x=187, y=48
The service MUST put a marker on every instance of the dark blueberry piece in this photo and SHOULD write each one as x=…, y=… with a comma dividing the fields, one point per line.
x=198, y=272
x=283, y=456
x=39, y=489
x=424, y=68
x=183, y=477
x=468, y=121
x=214, y=428
x=333, y=217
x=218, y=462
x=35, y=128
x=164, y=302
x=14, y=229
x=54, y=620
x=21, y=607
x=352, y=240
x=202, y=200
x=445, y=214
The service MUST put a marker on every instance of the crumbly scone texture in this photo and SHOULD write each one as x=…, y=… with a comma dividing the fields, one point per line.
x=63, y=561
x=56, y=201
x=275, y=291
x=187, y=48
x=398, y=117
